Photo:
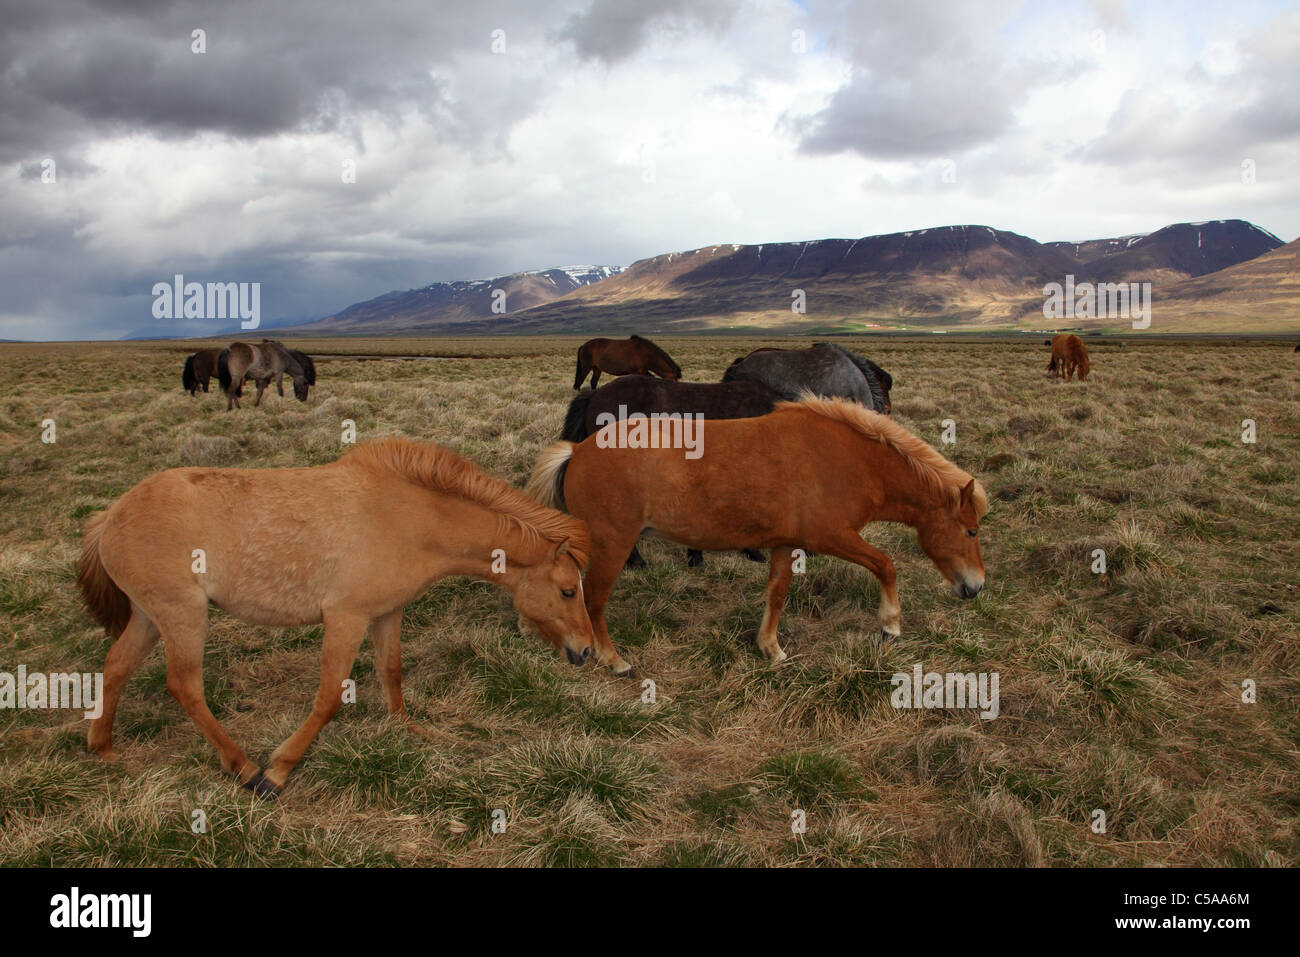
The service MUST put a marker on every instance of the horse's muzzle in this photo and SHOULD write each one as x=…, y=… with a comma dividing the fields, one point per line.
x=576, y=657
x=966, y=592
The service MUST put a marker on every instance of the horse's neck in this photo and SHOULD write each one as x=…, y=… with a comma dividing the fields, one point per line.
x=907, y=498
x=490, y=546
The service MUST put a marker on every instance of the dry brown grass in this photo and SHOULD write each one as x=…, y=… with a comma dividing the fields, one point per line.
x=1120, y=692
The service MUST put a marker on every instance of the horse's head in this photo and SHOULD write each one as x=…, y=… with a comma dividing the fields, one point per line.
x=300, y=387
x=950, y=536
x=549, y=600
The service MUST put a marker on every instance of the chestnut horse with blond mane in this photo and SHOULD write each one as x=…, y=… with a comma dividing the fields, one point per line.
x=809, y=475
x=365, y=536
x=631, y=356
x=1068, y=355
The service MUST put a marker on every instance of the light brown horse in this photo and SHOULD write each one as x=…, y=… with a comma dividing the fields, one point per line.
x=809, y=475
x=263, y=362
x=366, y=535
x=199, y=370
x=1069, y=355
x=631, y=356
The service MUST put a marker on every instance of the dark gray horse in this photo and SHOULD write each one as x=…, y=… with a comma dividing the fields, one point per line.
x=825, y=369
x=263, y=362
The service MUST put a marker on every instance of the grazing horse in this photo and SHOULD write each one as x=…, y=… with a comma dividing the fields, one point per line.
x=1068, y=355
x=262, y=363
x=810, y=475
x=199, y=370
x=825, y=369
x=643, y=395
x=631, y=356
x=367, y=535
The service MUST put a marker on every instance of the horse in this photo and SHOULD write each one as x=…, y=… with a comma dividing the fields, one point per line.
x=1068, y=355
x=644, y=395
x=808, y=475
x=825, y=369
x=370, y=533
x=631, y=356
x=262, y=363
x=199, y=370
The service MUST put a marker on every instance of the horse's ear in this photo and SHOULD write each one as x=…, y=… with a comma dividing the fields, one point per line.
x=561, y=550
x=967, y=495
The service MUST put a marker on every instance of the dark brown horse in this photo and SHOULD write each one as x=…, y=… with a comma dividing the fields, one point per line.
x=634, y=395
x=809, y=475
x=263, y=362
x=199, y=370
x=631, y=356
x=826, y=369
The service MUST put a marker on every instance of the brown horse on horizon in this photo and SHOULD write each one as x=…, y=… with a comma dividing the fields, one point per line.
x=809, y=475
x=368, y=534
x=631, y=356
x=263, y=362
x=199, y=370
x=1069, y=355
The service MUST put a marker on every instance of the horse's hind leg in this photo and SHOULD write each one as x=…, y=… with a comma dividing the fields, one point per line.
x=137, y=639
x=778, y=586
x=852, y=548
x=279, y=383
x=261, y=387
x=343, y=634
x=184, y=627
x=583, y=368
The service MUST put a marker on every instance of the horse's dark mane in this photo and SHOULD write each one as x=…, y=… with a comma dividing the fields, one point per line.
x=189, y=380
x=660, y=352
x=304, y=361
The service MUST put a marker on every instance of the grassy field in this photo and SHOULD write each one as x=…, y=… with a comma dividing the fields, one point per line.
x=1120, y=691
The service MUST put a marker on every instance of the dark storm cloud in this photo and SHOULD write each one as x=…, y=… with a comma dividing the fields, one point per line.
x=613, y=30
x=71, y=72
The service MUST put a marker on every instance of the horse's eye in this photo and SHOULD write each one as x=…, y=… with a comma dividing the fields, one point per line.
x=568, y=592
x=972, y=532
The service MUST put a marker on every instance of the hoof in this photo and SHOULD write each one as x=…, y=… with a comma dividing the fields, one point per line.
x=694, y=559
x=889, y=635
x=260, y=786
x=630, y=672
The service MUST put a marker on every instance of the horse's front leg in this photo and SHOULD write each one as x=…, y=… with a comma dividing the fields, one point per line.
x=852, y=548
x=261, y=387
x=279, y=383
x=595, y=376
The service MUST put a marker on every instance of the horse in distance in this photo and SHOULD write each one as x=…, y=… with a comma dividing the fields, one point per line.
x=740, y=495
x=348, y=544
x=631, y=356
x=1069, y=355
x=263, y=362
x=199, y=370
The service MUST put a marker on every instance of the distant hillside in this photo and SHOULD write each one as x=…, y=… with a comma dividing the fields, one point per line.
x=1260, y=295
x=446, y=304
x=936, y=278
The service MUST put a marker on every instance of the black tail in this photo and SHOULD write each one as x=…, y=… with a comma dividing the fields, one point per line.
x=308, y=367
x=223, y=369
x=575, y=420
x=879, y=381
x=188, y=378
x=581, y=373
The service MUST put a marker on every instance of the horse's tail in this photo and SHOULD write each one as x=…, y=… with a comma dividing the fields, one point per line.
x=223, y=369
x=188, y=379
x=546, y=484
x=575, y=420
x=583, y=366
x=879, y=381
x=107, y=603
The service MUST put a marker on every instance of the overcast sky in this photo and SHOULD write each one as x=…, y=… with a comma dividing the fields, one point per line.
x=600, y=132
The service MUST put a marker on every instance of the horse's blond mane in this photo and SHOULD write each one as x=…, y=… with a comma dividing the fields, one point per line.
x=444, y=471
x=942, y=477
